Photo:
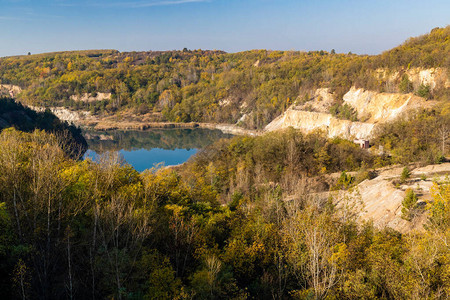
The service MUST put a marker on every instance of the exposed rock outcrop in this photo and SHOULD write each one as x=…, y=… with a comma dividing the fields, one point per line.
x=64, y=114
x=381, y=107
x=231, y=129
x=372, y=108
x=381, y=201
x=434, y=77
x=309, y=121
x=320, y=102
x=10, y=90
x=90, y=98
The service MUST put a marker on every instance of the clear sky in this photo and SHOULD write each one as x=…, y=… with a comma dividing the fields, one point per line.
x=360, y=26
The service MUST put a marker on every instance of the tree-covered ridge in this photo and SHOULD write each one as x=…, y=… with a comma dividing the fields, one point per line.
x=14, y=114
x=212, y=86
x=428, y=51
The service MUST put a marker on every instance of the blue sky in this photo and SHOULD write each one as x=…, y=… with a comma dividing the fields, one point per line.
x=360, y=26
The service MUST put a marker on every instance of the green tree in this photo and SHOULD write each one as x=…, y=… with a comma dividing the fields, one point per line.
x=162, y=283
x=409, y=205
x=406, y=174
x=424, y=91
x=344, y=181
x=405, y=85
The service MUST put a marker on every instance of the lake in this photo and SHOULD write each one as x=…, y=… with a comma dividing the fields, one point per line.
x=146, y=149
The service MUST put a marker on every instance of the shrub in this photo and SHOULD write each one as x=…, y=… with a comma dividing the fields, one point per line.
x=406, y=173
x=409, y=205
x=344, y=181
x=405, y=85
x=345, y=112
x=424, y=91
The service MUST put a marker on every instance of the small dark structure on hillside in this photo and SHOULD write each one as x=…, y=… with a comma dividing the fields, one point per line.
x=364, y=144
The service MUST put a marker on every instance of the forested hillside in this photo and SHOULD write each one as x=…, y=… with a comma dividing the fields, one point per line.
x=13, y=114
x=252, y=87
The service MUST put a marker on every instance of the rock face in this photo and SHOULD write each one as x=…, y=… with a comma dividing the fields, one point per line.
x=65, y=115
x=380, y=200
x=232, y=129
x=309, y=121
x=434, y=77
x=372, y=107
x=10, y=90
x=68, y=115
x=380, y=107
x=89, y=98
x=320, y=102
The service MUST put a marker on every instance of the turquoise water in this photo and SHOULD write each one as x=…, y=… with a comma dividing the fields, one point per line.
x=147, y=149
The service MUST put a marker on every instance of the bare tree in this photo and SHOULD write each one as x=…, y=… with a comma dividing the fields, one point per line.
x=310, y=237
x=214, y=265
x=444, y=133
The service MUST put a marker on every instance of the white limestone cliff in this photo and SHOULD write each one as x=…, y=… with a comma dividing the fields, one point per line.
x=309, y=121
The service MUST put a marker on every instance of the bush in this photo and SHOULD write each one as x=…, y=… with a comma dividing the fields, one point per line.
x=344, y=181
x=345, y=112
x=406, y=173
x=409, y=205
x=405, y=85
x=364, y=174
x=424, y=91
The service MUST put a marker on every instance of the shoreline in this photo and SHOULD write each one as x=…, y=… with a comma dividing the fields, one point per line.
x=142, y=126
x=84, y=119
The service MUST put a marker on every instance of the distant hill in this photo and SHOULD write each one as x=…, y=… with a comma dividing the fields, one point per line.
x=249, y=88
x=427, y=51
x=13, y=114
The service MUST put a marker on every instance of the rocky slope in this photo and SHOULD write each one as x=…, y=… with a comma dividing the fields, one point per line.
x=91, y=98
x=9, y=90
x=13, y=114
x=309, y=121
x=433, y=77
x=75, y=117
x=381, y=107
x=372, y=107
x=379, y=200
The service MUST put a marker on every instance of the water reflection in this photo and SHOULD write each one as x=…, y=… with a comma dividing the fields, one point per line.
x=145, y=149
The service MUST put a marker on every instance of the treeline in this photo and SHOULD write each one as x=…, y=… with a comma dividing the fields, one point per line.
x=428, y=50
x=219, y=227
x=213, y=86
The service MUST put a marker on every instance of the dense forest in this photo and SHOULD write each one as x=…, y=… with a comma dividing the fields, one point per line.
x=235, y=222
x=213, y=86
